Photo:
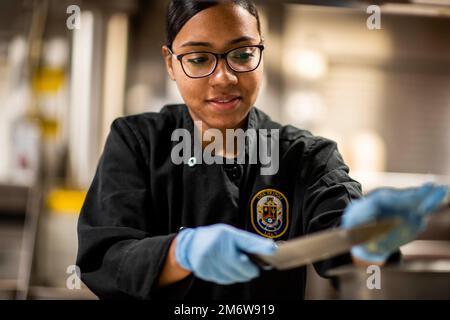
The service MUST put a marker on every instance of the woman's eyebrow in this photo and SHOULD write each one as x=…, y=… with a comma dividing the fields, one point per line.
x=208, y=44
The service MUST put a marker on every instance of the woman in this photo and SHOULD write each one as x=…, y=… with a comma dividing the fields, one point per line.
x=153, y=228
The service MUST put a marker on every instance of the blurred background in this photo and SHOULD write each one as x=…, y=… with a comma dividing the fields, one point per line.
x=68, y=68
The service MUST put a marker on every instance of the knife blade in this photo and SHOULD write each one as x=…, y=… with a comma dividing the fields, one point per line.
x=322, y=245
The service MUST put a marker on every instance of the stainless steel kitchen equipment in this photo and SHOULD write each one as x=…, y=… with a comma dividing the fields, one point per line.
x=419, y=279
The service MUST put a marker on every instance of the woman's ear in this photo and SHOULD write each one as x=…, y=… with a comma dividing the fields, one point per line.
x=167, y=56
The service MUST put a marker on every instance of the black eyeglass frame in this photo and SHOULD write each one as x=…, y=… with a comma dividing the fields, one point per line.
x=218, y=56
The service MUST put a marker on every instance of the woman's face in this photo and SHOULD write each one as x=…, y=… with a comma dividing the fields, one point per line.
x=217, y=29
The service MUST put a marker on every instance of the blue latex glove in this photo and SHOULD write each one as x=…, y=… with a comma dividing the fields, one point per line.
x=217, y=253
x=411, y=205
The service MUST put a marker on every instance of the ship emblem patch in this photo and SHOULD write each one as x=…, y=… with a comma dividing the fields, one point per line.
x=270, y=213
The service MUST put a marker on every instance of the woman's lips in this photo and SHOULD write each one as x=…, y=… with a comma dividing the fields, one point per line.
x=224, y=104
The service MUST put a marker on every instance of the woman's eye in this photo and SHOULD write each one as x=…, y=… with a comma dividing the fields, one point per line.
x=198, y=60
x=242, y=56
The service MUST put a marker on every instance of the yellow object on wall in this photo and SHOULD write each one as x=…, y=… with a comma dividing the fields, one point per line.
x=65, y=201
x=47, y=80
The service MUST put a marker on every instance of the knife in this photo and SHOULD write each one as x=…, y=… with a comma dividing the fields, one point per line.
x=323, y=244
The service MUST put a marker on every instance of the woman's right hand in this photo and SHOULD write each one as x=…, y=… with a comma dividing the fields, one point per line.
x=218, y=253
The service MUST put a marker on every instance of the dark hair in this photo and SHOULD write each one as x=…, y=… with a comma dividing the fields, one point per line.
x=180, y=11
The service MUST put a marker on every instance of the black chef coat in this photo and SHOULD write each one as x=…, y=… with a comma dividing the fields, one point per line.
x=139, y=199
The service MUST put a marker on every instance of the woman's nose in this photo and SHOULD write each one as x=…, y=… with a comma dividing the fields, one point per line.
x=223, y=75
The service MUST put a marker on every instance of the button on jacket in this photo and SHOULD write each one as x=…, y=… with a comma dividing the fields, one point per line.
x=139, y=199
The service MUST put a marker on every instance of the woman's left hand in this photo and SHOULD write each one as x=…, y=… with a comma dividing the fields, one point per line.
x=411, y=205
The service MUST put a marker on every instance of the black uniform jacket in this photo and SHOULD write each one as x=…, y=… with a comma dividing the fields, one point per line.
x=139, y=199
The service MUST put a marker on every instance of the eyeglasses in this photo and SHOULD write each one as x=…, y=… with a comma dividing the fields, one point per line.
x=202, y=63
